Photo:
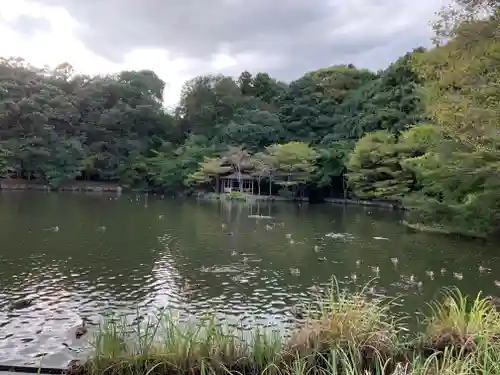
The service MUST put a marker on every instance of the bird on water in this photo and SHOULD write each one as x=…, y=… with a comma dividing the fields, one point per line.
x=81, y=330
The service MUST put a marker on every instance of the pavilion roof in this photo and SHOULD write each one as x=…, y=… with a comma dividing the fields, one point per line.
x=236, y=176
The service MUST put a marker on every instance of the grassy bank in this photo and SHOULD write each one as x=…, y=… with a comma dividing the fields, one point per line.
x=339, y=334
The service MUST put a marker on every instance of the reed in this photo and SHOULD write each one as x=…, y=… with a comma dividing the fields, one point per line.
x=344, y=334
x=458, y=322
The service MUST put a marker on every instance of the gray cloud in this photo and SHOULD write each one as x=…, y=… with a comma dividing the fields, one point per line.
x=30, y=25
x=297, y=35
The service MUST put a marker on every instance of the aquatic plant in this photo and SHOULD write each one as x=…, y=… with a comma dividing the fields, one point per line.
x=163, y=342
x=456, y=321
x=346, y=320
x=343, y=333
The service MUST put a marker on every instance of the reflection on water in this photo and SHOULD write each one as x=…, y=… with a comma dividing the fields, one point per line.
x=119, y=254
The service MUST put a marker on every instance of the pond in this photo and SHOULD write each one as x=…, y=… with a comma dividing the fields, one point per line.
x=84, y=256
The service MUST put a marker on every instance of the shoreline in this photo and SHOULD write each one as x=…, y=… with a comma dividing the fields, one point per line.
x=442, y=231
x=395, y=206
x=100, y=187
x=75, y=186
x=343, y=329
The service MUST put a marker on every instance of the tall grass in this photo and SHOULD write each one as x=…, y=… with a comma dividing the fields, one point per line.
x=456, y=321
x=363, y=329
x=343, y=333
x=163, y=342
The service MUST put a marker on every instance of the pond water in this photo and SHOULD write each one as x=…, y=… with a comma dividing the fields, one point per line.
x=120, y=254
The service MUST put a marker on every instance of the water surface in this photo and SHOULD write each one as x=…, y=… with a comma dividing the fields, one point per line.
x=122, y=254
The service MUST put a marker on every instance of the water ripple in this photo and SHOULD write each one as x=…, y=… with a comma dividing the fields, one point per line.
x=187, y=263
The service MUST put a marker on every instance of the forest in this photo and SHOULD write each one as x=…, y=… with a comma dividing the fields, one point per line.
x=423, y=132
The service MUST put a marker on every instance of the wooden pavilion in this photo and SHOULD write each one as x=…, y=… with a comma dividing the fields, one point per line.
x=232, y=181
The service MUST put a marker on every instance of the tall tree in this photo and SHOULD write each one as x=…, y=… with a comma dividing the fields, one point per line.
x=293, y=163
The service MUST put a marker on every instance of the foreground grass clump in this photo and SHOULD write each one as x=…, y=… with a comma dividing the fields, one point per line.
x=348, y=327
x=459, y=323
x=164, y=345
x=342, y=333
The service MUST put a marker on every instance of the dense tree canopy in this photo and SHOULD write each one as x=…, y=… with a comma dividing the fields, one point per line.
x=459, y=176
x=425, y=131
x=56, y=125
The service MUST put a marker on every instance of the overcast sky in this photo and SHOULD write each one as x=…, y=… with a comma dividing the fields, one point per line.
x=180, y=39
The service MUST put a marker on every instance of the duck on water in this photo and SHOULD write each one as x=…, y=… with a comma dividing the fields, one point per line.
x=20, y=304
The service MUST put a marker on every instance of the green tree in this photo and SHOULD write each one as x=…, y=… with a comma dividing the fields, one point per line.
x=209, y=170
x=331, y=164
x=374, y=168
x=170, y=167
x=390, y=102
x=66, y=160
x=59, y=126
x=458, y=179
x=253, y=129
x=293, y=163
x=264, y=167
x=461, y=91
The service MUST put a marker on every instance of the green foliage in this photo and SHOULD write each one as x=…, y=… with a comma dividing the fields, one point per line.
x=253, y=129
x=238, y=159
x=374, y=168
x=170, y=167
x=388, y=102
x=417, y=140
x=263, y=164
x=461, y=90
x=424, y=131
x=458, y=192
x=68, y=155
x=331, y=162
x=293, y=162
x=58, y=125
x=5, y=168
x=209, y=169
x=347, y=334
x=458, y=178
